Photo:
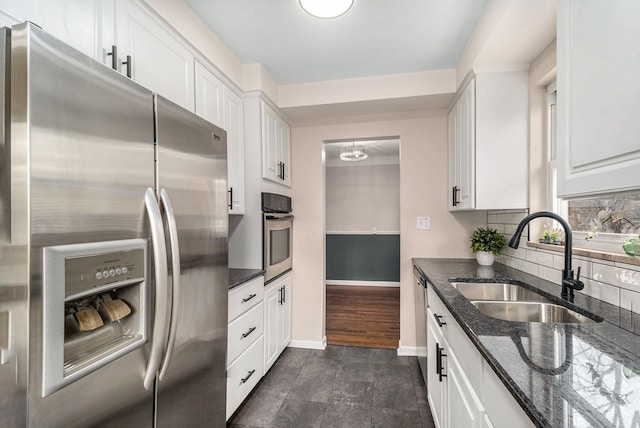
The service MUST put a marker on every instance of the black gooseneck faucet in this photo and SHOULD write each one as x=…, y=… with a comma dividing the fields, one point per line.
x=568, y=282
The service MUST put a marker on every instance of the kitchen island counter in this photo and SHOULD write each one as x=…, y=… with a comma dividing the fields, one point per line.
x=596, y=383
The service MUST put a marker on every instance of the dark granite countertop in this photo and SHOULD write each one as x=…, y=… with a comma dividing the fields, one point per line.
x=595, y=383
x=240, y=276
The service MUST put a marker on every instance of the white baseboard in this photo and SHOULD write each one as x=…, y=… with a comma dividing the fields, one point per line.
x=309, y=344
x=411, y=351
x=364, y=283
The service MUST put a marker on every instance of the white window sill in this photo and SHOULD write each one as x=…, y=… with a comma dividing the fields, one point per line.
x=588, y=252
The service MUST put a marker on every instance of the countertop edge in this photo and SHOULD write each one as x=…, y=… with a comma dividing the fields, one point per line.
x=237, y=277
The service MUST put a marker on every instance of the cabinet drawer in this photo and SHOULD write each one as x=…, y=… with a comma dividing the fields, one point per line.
x=244, y=330
x=245, y=297
x=243, y=375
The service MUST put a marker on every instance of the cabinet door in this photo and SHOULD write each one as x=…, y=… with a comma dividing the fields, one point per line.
x=71, y=21
x=284, y=149
x=160, y=60
x=209, y=96
x=436, y=387
x=284, y=316
x=598, y=92
x=270, y=145
x=452, y=157
x=465, y=147
x=234, y=124
x=464, y=409
x=271, y=311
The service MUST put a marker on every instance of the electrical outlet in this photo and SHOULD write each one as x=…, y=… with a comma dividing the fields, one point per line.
x=423, y=223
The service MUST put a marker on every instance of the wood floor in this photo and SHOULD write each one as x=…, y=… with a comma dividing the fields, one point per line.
x=363, y=316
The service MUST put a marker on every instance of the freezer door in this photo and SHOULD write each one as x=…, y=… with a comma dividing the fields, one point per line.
x=13, y=293
x=81, y=159
x=192, y=175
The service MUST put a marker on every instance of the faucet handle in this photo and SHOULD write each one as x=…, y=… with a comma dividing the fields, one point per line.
x=578, y=274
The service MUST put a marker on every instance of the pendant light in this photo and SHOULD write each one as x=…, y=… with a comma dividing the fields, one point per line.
x=353, y=153
x=326, y=8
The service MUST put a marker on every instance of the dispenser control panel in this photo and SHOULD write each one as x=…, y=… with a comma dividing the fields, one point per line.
x=83, y=273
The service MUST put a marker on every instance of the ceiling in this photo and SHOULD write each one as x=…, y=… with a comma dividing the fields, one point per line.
x=375, y=37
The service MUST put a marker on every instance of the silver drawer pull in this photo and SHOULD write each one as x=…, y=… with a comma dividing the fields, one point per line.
x=251, y=330
x=246, y=299
x=244, y=379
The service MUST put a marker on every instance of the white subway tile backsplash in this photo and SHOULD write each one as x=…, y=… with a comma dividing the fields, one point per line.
x=599, y=290
x=625, y=278
x=510, y=228
x=545, y=259
x=586, y=268
x=503, y=218
x=558, y=262
x=528, y=267
x=630, y=301
x=492, y=218
x=497, y=226
x=551, y=275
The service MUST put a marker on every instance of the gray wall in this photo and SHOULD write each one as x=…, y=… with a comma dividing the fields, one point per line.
x=362, y=197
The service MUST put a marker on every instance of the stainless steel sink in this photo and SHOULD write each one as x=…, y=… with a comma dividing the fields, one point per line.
x=497, y=291
x=531, y=312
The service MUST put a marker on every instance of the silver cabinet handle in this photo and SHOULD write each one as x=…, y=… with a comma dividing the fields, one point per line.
x=175, y=268
x=161, y=285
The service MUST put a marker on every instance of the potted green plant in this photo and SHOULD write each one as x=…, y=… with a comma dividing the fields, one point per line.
x=486, y=243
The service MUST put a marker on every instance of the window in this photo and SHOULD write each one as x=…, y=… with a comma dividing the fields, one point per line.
x=600, y=223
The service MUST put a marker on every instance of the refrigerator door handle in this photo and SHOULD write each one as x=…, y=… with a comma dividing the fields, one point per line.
x=175, y=262
x=161, y=282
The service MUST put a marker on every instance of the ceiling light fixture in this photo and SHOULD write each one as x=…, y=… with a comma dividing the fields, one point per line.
x=326, y=8
x=353, y=153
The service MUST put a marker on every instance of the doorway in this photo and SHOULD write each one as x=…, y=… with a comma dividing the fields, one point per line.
x=362, y=242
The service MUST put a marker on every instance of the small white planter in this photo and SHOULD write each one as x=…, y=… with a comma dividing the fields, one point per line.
x=484, y=258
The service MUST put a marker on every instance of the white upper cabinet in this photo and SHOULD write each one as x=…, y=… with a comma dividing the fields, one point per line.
x=159, y=59
x=598, y=90
x=276, y=147
x=488, y=142
x=209, y=93
x=462, y=150
x=71, y=21
x=234, y=124
x=218, y=104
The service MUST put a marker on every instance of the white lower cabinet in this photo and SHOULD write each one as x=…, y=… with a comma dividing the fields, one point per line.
x=436, y=385
x=277, y=319
x=465, y=407
x=458, y=376
x=245, y=341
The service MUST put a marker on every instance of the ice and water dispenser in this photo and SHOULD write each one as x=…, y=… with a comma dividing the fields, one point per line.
x=94, y=307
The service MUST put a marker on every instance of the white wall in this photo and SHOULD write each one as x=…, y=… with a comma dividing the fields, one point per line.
x=361, y=197
x=423, y=191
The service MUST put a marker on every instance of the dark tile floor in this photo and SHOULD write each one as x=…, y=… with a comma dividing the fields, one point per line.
x=338, y=387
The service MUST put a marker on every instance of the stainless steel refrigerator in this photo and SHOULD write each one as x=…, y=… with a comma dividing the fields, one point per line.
x=113, y=248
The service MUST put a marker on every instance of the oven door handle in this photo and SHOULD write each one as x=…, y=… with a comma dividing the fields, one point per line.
x=278, y=218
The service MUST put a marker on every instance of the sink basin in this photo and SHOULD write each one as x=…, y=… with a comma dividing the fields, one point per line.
x=531, y=312
x=496, y=291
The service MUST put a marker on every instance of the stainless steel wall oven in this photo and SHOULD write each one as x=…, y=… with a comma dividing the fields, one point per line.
x=277, y=235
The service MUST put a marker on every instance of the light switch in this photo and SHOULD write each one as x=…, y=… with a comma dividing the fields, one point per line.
x=423, y=223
